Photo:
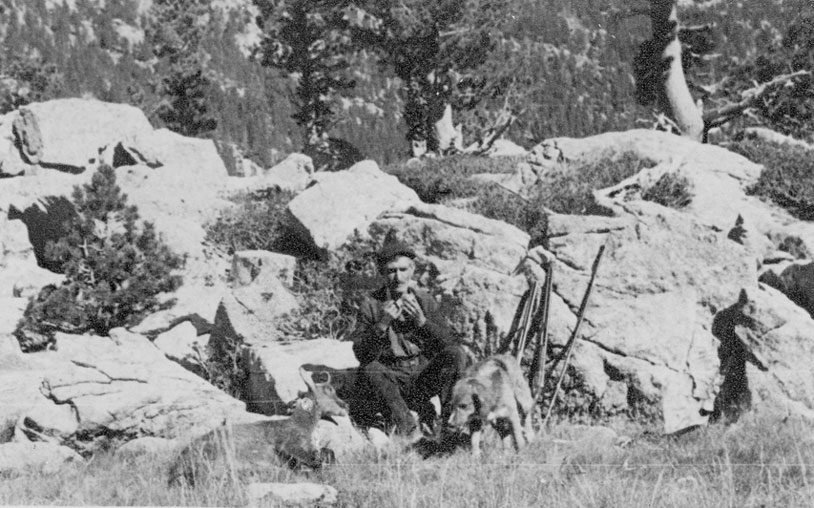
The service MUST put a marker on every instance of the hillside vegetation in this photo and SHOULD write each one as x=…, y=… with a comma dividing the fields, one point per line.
x=563, y=67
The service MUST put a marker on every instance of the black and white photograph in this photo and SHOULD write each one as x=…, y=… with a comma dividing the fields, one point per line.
x=407, y=253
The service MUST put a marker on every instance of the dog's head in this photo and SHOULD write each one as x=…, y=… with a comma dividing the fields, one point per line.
x=466, y=403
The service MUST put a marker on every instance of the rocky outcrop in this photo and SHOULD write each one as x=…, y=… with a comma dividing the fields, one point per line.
x=506, y=148
x=94, y=392
x=274, y=380
x=249, y=314
x=292, y=174
x=666, y=275
x=765, y=351
x=179, y=194
x=247, y=265
x=717, y=179
x=361, y=193
x=662, y=277
x=183, y=345
x=26, y=456
x=68, y=134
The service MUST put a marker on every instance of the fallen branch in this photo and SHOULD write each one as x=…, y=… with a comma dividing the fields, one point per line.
x=492, y=134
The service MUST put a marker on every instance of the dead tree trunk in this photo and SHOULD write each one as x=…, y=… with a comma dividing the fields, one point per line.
x=660, y=73
x=679, y=102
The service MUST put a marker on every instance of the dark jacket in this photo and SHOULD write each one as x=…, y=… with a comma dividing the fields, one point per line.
x=370, y=344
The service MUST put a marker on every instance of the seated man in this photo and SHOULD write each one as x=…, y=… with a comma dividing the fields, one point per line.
x=406, y=354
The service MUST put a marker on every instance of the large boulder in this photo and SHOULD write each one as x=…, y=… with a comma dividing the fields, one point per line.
x=93, y=392
x=292, y=174
x=274, y=379
x=69, y=134
x=717, y=180
x=20, y=377
x=766, y=350
x=41, y=457
x=13, y=309
x=667, y=272
x=361, y=193
x=20, y=276
x=184, y=345
x=663, y=275
x=247, y=265
x=250, y=314
x=468, y=259
x=11, y=162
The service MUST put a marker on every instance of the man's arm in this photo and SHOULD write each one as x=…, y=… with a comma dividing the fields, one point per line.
x=435, y=334
x=369, y=340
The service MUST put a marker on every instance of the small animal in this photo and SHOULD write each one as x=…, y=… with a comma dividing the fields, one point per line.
x=493, y=392
x=270, y=443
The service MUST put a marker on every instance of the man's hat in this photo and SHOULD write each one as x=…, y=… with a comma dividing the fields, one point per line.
x=393, y=248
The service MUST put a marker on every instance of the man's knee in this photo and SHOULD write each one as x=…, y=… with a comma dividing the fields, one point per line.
x=455, y=356
x=373, y=370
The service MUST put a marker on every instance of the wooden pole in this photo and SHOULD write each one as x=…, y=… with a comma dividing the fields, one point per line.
x=572, y=340
x=538, y=366
x=505, y=345
x=528, y=319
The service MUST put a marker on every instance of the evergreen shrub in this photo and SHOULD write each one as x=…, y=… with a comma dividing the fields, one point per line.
x=787, y=178
x=255, y=223
x=115, y=266
x=671, y=190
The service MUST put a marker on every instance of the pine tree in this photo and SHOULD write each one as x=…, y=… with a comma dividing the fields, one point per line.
x=435, y=48
x=114, y=266
x=309, y=40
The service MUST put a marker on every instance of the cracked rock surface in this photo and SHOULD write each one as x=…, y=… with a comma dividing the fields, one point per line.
x=666, y=277
x=98, y=391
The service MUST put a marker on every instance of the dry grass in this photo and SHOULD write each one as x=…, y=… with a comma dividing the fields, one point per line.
x=754, y=463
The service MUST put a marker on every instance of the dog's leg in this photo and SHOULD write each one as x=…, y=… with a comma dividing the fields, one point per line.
x=529, y=430
x=517, y=432
x=476, y=436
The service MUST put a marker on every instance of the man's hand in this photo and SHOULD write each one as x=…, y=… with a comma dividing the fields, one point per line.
x=413, y=310
x=391, y=311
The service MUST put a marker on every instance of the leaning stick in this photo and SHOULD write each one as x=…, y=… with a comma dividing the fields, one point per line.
x=528, y=318
x=538, y=366
x=506, y=343
x=572, y=340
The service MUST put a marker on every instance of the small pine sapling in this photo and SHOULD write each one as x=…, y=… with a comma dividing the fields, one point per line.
x=114, y=264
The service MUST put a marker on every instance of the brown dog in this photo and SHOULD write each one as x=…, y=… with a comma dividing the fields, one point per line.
x=493, y=391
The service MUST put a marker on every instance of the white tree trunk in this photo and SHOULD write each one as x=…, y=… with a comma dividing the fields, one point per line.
x=679, y=102
x=448, y=135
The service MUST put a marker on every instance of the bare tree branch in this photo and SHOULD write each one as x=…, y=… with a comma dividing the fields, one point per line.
x=719, y=116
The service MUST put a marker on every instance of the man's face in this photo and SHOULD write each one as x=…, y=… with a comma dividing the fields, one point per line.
x=399, y=273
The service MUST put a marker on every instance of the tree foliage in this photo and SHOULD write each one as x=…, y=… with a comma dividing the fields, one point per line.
x=436, y=49
x=114, y=266
x=26, y=80
x=788, y=109
x=309, y=41
x=182, y=84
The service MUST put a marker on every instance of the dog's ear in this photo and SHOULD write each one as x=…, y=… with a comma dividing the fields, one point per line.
x=476, y=402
